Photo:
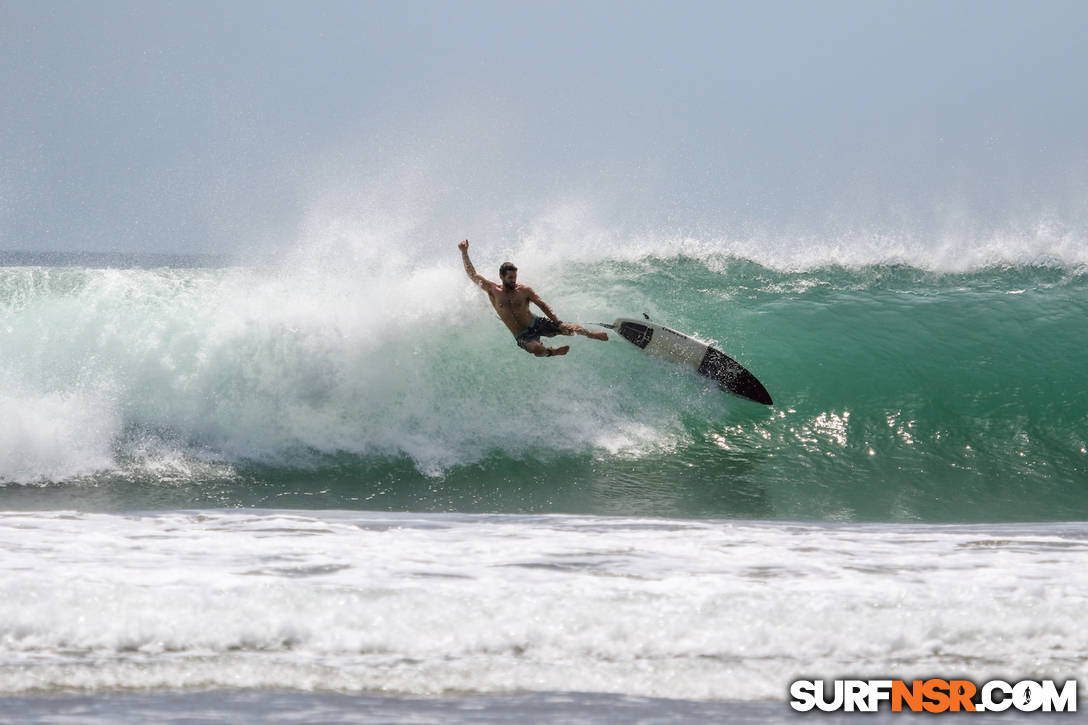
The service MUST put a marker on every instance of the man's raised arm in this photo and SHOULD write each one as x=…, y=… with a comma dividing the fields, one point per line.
x=469, y=269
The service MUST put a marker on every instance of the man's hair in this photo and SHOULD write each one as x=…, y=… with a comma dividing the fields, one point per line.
x=506, y=267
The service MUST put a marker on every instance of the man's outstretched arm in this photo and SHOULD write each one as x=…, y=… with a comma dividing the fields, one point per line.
x=470, y=270
x=535, y=299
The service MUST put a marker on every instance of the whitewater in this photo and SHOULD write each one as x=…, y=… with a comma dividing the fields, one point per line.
x=332, y=478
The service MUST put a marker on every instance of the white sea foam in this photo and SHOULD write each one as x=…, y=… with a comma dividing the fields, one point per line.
x=55, y=435
x=106, y=367
x=430, y=604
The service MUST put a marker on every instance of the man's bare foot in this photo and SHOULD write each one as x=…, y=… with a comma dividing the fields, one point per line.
x=598, y=335
x=558, y=350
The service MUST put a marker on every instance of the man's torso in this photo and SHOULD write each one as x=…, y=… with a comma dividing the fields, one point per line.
x=512, y=307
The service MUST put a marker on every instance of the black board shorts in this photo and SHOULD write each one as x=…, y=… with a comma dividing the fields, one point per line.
x=541, y=327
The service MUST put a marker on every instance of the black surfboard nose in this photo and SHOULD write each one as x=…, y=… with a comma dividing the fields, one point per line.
x=732, y=376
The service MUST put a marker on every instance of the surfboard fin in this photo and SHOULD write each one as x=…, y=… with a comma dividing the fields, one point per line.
x=647, y=317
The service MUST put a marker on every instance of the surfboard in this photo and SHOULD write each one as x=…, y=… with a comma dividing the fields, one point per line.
x=708, y=361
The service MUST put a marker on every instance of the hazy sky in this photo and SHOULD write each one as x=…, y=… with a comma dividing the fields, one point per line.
x=197, y=126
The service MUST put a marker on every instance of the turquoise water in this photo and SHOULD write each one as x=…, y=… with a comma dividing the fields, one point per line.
x=901, y=393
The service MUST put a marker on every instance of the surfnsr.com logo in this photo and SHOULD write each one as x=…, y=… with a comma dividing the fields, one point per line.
x=933, y=695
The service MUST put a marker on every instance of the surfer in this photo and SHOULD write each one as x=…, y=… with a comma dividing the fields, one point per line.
x=511, y=301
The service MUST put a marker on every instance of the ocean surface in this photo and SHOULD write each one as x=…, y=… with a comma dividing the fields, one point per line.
x=339, y=488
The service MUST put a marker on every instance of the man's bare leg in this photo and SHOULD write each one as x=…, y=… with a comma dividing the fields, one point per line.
x=537, y=348
x=566, y=329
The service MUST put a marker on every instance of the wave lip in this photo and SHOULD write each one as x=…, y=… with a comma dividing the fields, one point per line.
x=572, y=235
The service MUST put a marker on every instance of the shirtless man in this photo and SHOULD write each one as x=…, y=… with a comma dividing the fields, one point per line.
x=511, y=300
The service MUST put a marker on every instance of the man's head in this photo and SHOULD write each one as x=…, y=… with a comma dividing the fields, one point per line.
x=508, y=273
